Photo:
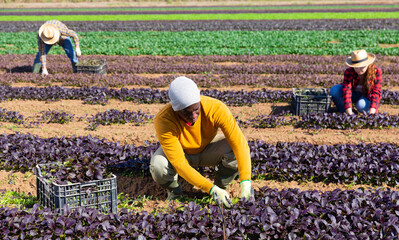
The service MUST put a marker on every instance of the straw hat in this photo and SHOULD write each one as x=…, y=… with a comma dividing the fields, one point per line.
x=49, y=33
x=360, y=58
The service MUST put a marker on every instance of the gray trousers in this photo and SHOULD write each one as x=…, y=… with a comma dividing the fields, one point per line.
x=218, y=153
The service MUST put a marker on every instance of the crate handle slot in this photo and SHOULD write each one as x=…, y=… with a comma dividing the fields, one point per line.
x=88, y=185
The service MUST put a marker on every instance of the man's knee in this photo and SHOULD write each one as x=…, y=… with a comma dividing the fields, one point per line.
x=157, y=166
x=161, y=170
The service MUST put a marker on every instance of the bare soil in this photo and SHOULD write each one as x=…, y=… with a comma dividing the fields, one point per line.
x=136, y=186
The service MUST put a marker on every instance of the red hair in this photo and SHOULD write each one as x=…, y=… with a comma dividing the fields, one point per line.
x=369, y=79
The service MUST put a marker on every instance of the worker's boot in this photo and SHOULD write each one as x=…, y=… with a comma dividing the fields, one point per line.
x=74, y=67
x=173, y=189
x=224, y=176
x=37, y=67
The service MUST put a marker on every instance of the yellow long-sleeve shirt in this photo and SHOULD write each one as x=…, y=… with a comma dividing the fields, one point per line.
x=177, y=138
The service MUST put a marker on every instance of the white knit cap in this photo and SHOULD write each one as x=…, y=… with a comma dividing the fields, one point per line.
x=183, y=92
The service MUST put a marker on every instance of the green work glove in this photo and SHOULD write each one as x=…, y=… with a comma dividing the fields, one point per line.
x=246, y=189
x=220, y=196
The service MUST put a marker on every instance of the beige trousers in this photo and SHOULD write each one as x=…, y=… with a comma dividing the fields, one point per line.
x=217, y=154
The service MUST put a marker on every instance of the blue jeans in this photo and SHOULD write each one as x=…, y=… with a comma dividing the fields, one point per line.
x=362, y=103
x=68, y=48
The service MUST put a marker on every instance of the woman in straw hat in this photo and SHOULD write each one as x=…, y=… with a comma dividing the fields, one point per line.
x=55, y=32
x=362, y=84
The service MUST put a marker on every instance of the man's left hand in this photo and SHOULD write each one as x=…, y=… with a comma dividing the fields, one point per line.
x=44, y=71
x=246, y=189
x=78, y=52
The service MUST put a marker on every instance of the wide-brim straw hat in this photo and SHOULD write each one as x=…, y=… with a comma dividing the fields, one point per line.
x=49, y=33
x=360, y=58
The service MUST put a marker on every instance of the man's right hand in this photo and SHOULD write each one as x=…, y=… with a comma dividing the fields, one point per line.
x=220, y=196
x=246, y=189
x=44, y=72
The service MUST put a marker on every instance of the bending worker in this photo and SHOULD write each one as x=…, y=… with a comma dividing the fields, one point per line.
x=55, y=32
x=187, y=131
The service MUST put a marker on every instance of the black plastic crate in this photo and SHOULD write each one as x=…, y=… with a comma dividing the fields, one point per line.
x=91, y=66
x=98, y=194
x=310, y=100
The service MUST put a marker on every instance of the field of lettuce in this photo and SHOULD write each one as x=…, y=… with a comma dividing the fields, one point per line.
x=322, y=176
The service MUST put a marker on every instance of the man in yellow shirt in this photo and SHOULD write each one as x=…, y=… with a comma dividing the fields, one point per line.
x=187, y=131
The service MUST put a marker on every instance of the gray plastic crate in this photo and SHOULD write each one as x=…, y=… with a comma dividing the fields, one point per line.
x=310, y=100
x=92, y=66
x=98, y=194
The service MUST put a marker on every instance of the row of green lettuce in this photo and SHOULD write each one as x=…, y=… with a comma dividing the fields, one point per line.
x=183, y=8
x=213, y=16
x=216, y=42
